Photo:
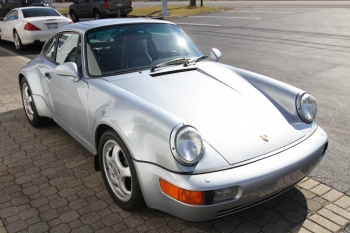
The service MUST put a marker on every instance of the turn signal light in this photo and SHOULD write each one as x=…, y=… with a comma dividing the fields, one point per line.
x=182, y=195
x=31, y=27
x=105, y=4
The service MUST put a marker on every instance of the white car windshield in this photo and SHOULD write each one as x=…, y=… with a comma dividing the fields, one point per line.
x=125, y=48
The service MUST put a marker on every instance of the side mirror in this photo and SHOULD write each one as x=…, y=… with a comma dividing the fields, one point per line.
x=215, y=54
x=68, y=69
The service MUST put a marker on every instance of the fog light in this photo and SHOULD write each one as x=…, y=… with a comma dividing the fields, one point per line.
x=225, y=194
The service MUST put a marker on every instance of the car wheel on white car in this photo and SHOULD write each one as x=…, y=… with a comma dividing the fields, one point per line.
x=118, y=171
x=29, y=106
x=17, y=41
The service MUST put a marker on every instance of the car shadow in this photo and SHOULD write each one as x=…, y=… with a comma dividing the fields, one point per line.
x=281, y=214
x=30, y=51
x=48, y=171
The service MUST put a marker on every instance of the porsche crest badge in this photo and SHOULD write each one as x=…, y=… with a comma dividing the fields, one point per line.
x=264, y=137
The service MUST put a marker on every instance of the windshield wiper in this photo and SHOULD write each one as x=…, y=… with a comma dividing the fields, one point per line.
x=195, y=60
x=177, y=60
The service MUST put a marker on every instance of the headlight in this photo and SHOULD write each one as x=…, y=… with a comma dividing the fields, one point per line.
x=186, y=144
x=307, y=107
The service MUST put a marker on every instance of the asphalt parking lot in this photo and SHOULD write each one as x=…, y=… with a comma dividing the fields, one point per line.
x=47, y=180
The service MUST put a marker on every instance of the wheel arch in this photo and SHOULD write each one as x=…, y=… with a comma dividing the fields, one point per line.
x=95, y=11
x=20, y=78
x=36, y=88
x=99, y=131
x=14, y=30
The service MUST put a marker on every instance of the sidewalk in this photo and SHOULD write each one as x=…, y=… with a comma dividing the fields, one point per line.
x=48, y=184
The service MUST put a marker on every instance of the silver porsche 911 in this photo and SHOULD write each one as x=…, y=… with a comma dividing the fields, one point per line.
x=168, y=126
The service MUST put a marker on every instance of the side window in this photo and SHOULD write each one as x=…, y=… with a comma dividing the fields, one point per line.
x=12, y=15
x=67, y=47
x=49, y=49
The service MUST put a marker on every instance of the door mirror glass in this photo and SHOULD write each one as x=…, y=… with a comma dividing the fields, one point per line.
x=68, y=69
x=215, y=54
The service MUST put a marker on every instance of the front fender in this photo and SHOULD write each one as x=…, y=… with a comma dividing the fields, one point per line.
x=144, y=127
x=34, y=79
x=282, y=95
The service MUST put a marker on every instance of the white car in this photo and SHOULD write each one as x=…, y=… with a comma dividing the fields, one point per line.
x=28, y=25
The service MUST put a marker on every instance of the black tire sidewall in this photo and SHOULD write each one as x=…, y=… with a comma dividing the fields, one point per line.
x=136, y=199
x=76, y=16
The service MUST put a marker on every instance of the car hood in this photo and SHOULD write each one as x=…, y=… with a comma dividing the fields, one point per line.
x=231, y=115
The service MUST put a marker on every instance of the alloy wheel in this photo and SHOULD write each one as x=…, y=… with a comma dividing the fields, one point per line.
x=17, y=40
x=27, y=101
x=117, y=170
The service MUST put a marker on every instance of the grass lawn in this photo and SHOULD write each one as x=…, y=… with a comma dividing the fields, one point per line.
x=175, y=11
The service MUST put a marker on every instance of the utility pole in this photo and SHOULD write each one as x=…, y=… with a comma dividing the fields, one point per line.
x=164, y=11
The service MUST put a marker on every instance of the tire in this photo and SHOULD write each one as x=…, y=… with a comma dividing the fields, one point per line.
x=74, y=17
x=17, y=40
x=118, y=172
x=97, y=15
x=29, y=106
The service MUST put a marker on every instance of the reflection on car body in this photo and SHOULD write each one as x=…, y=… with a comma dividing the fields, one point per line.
x=169, y=127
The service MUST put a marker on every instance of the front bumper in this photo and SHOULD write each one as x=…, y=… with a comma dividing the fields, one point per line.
x=258, y=181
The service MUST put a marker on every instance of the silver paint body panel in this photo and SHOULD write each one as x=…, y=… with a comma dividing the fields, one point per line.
x=230, y=107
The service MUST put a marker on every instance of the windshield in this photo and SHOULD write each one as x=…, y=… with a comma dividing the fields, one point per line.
x=122, y=48
x=38, y=12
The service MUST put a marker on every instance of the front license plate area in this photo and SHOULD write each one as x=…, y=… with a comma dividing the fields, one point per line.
x=51, y=25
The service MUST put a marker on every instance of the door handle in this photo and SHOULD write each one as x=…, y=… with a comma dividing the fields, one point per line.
x=48, y=75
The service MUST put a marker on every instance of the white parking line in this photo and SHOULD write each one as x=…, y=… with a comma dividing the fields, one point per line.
x=223, y=17
x=199, y=24
x=274, y=12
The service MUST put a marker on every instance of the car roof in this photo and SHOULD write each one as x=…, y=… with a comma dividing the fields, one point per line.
x=87, y=25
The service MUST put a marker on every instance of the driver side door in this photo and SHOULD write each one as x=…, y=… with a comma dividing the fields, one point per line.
x=69, y=97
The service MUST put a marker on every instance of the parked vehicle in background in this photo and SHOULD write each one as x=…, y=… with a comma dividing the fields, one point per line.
x=33, y=3
x=99, y=9
x=28, y=25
